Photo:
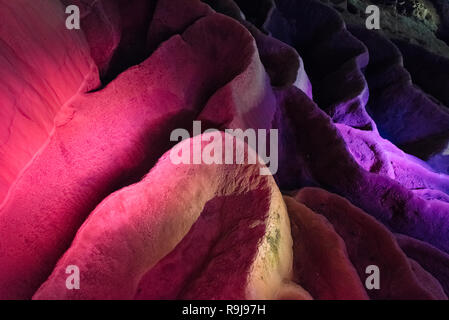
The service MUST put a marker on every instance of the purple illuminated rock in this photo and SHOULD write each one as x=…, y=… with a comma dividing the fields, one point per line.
x=433, y=260
x=404, y=114
x=333, y=57
x=430, y=194
x=328, y=161
x=229, y=74
x=378, y=155
x=369, y=243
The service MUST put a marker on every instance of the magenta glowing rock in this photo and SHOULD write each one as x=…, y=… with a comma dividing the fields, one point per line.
x=100, y=23
x=121, y=246
x=43, y=66
x=116, y=32
x=80, y=183
x=109, y=138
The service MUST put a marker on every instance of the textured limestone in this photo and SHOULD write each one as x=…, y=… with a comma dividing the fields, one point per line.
x=110, y=138
x=116, y=31
x=42, y=67
x=429, y=257
x=321, y=262
x=328, y=161
x=380, y=156
x=228, y=73
x=133, y=229
x=334, y=58
x=404, y=114
x=370, y=243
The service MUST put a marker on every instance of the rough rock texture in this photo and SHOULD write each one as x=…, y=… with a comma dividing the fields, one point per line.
x=430, y=194
x=116, y=31
x=350, y=117
x=43, y=66
x=432, y=259
x=370, y=243
x=333, y=56
x=419, y=22
x=380, y=156
x=321, y=262
x=424, y=127
x=100, y=145
x=134, y=228
x=333, y=167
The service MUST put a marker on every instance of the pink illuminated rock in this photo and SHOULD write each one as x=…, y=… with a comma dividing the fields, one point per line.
x=321, y=264
x=239, y=244
x=116, y=31
x=281, y=61
x=197, y=231
x=109, y=138
x=100, y=23
x=43, y=66
x=370, y=243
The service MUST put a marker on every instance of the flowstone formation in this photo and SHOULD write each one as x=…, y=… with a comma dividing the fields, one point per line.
x=98, y=203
